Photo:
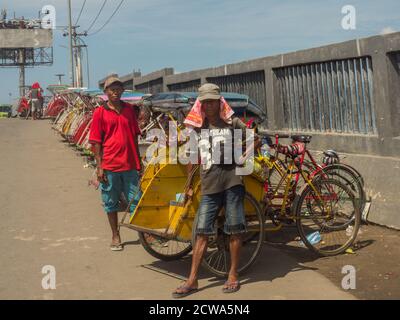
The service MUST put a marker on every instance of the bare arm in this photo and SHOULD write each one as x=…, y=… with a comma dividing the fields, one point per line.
x=97, y=155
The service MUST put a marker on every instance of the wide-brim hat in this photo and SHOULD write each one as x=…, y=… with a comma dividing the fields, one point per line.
x=209, y=91
x=112, y=80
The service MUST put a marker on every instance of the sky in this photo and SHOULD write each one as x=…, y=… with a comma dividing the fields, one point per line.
x=187, y=35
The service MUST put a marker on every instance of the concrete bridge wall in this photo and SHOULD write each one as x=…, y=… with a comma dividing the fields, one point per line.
x=345, y=94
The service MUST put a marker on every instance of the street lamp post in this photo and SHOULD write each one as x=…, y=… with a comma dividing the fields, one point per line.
x=59, y=75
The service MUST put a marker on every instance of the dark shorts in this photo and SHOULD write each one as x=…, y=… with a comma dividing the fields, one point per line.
x=232, y=200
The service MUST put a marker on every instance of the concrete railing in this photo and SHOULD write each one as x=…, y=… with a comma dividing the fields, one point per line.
x=354, y=83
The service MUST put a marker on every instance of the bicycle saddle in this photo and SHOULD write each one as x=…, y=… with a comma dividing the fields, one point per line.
x=301, y=138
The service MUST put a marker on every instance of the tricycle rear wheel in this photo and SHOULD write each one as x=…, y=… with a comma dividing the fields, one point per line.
x=164, y=249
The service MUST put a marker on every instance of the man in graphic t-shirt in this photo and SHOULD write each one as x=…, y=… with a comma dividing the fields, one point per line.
x=220, y=187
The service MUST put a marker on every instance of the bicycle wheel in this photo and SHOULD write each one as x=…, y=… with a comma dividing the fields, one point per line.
x=349, y=178
x=323, y=211
x=217, y=257
x=357, y=174
x=164, y=249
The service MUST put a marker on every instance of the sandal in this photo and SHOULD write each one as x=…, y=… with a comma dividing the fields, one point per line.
x=116, y=247
x=231, y=287
x=186, y=292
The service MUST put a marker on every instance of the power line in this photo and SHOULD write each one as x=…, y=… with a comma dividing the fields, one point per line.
x=79, y=16
x=98, y=14
x=109, y=19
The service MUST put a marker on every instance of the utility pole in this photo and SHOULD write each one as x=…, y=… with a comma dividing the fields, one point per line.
x=76, y=80
x=70, y=44
x=87, y=59
x=75, y=51
x=79, y=72
x=21, y=62
x=78, y=57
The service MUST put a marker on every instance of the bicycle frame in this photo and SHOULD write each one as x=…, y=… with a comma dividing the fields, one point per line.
x=289, y=177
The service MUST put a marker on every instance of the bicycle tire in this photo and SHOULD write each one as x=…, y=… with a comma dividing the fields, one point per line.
x=353, y=181
x=159, y=254
x=311, y=216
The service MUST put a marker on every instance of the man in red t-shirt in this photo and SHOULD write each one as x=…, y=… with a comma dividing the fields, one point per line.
x=114, y=134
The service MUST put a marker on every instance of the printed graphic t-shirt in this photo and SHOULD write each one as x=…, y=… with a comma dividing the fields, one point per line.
x=216, y=178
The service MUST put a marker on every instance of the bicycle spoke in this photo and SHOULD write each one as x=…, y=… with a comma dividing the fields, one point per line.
x=332, y=228
x=217, y=258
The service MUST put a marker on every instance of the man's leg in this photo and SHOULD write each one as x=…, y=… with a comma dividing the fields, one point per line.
x=33, y=112
x=235, y=245
x=110, y=193
x=113, y=220
x=208, y=209
x=199, y=249
x=235, y=225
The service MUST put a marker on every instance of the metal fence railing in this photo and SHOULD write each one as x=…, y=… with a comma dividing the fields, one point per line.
x=333, y=96
x=188, y=86
x=153, y=86
x=250, y=83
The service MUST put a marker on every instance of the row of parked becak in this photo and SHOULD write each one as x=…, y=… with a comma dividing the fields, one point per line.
x=72, y=110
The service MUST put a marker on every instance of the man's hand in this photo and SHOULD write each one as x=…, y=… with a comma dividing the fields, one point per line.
x=257, y=143
x=101, y=177
x=188, y=194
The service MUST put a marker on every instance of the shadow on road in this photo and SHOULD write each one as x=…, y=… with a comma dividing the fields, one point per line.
x=279, y=256
x=270, y=265
x=130, y=243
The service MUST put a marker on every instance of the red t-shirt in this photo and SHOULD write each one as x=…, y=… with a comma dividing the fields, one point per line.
x=117, y=134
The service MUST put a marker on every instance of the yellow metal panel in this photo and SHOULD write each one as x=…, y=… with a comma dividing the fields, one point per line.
x=160, y=190
x=151, y=217
x=160, y=184
x=254, y=186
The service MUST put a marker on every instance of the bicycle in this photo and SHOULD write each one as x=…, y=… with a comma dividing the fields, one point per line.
x=323, y=209
x=331, y=167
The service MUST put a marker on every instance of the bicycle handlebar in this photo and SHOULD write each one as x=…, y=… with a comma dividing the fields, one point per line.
x=275, y=135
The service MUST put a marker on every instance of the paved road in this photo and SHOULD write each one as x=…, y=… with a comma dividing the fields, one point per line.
x=51, y=217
